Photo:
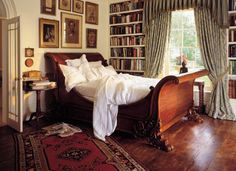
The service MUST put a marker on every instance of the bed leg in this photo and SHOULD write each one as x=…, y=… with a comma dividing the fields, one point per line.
x=193, y=116
x=157, y=140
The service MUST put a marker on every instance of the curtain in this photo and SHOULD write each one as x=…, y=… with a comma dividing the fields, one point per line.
x=218, y=8
x=156, y=37
x=213, y=46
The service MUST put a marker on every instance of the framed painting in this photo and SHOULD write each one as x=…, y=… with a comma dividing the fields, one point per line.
x=91, y=13
x=91, y=38
x=78, y=6
x=29, y=52
x=48, y=33
x=71, y=30
x=48, y=7
x=65, y=5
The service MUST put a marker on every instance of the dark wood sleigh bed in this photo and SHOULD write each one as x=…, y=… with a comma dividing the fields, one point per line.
x=166, y=104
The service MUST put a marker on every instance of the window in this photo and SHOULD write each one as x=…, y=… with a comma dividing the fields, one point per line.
x=183, y=45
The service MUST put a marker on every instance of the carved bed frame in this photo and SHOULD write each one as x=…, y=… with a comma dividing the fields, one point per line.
x=166, y=104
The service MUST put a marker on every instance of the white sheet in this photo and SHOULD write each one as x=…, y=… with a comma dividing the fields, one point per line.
x=109, y=92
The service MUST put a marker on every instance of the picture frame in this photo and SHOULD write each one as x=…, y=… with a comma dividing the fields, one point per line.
x=91, y=38
x=64, y=5
x=48, y=7
x=48, y=33
x=91, y=13
x=78, y=6
x=29, y=52
x=71, y=30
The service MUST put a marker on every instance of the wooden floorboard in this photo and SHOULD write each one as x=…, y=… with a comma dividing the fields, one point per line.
x=210, y=146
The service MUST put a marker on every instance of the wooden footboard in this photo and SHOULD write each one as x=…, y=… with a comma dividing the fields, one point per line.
x=172, y=99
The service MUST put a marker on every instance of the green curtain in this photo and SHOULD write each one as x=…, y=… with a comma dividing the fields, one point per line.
x=213, y=46
x=218, y=8
x=156, y=37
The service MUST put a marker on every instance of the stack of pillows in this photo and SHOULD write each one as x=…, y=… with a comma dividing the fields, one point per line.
x=80, y=70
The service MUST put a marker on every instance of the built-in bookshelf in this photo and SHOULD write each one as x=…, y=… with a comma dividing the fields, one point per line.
x=232, y=48
x=127, y=49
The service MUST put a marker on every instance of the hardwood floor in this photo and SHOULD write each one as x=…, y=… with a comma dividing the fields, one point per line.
x=209, y=146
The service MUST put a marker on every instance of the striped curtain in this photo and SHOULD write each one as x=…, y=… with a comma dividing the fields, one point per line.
x=218, y=9
x=156, y=38
x=213, y=46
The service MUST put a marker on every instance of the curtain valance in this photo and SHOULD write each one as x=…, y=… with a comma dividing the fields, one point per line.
x=219, y=8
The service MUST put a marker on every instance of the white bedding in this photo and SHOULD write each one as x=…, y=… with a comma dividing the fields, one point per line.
x=109, y=92
x=106, y=89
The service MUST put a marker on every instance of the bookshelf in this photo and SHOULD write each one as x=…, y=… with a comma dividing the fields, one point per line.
x=127, y=49
x=232, y=48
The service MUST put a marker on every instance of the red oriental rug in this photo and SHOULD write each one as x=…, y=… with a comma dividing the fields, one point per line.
x=36, y=151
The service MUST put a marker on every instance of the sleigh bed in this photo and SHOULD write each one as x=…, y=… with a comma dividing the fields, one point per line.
x=166, y=103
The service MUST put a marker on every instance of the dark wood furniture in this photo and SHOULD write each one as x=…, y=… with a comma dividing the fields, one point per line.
x=166, y=104
x=38, y=113
x=201, y=107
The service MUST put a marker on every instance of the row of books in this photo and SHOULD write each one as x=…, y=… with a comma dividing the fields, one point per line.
x=232, y=20
x=128, y=64
x=232, y=89
x=232, y=35
x=232, y=67
x=126, y=6
x=232, y=5
x=232, y=50
x=126, y=18
x=127, y=40
x=129, y=29
x=128, y=52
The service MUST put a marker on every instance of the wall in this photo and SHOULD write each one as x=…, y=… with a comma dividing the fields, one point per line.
x=29, y=12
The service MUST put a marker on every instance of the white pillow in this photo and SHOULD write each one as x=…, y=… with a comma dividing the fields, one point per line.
x=111, y=70
x=72, y=76
x=77, y=62
x=102, y=71
x=95, y=64
x=86, y=71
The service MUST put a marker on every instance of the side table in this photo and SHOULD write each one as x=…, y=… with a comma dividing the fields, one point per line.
x=201, y=107
x=38, y=112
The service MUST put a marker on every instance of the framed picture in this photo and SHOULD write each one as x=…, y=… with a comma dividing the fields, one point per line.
x=91, y=38
x=91, y=13
x=78, y=6
x=48, y=33
x=29, y=52
x=71, y=30
x=65, y=5
x=48, y=7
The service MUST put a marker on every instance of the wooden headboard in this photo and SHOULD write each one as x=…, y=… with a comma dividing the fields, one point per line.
x=53, y=72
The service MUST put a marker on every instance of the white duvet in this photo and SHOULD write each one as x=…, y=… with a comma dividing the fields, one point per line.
x=111, y=91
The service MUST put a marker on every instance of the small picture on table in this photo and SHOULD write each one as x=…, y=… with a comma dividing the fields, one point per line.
x=91, y=38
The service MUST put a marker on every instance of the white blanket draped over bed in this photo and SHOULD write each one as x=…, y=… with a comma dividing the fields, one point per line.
x=106, y=88
x=112, y=91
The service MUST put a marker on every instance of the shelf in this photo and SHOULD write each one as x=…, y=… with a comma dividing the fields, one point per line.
x=232, y=77
x=231, y=43
x=123, y=24
x=124, y=46
x=126, y=12
x=232, y=12
x=122, y=35
x=140, y=58
x=232, y=27
x=118, y=70
x=232, y=58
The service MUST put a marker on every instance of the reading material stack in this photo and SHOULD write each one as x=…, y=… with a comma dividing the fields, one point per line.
x=232, y=48
x=39, y=85
x=127, y=49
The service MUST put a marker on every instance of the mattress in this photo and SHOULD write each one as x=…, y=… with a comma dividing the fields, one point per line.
x=140, y=88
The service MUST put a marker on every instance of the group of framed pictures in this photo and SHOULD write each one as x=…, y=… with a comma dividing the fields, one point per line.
x=71, y=24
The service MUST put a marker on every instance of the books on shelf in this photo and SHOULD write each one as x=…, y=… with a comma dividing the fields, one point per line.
x=126, y=6
x=232, y=67
x=232, y=89
x=127, y=29
x=128, y=52
x=126, y=18
x=232, y=5
x=127, y=40
x=128, y=64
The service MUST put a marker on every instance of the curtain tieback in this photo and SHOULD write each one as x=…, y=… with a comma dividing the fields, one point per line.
x=220, y=77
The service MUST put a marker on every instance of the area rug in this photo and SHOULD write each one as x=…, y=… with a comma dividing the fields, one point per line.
x=39, y=152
